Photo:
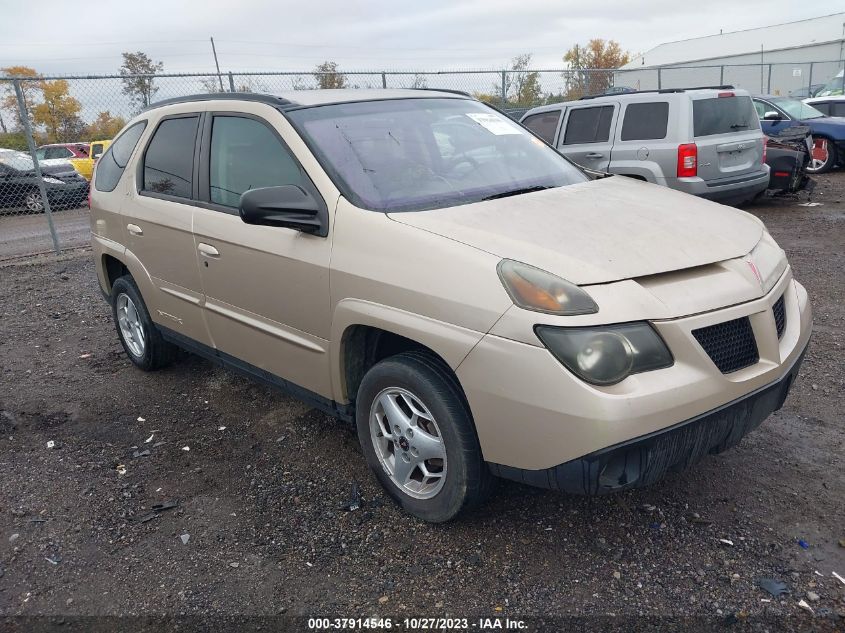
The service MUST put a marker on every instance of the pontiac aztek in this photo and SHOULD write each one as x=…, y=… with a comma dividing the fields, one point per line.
x=419, y=264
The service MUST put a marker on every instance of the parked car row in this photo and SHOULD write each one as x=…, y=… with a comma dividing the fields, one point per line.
x=81, y=155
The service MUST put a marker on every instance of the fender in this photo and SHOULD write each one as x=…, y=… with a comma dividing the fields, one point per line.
x=451, y=342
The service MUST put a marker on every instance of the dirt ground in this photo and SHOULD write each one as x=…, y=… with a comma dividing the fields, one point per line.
x=260, y=491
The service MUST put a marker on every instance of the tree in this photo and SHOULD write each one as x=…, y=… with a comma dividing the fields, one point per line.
x=592, y=65
x=105, y=126
x=30, y=89
x=138, y=82
x=59, y=112
x=521, y=85
x=327, y=76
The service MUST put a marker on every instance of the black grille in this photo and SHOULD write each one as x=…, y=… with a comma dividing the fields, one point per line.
x=780, y=316
x=730, y=345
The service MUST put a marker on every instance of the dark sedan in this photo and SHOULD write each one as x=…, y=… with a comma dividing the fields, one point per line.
x=19, y=185
x=778, y=113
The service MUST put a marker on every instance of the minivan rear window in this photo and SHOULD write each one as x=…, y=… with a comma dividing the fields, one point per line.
x=645, y=121
x=723, y=115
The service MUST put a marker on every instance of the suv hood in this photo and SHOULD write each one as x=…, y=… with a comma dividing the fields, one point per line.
x=599, y=231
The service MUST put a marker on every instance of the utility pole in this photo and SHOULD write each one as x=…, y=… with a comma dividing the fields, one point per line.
x=216, y=63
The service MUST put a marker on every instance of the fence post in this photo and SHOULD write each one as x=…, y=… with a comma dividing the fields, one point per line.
x=231, y=82
x=810, y=81
x=659, y=78
x=31, y=143
x=769, y=81
x=504, y=87
x=383, y=80
x=722, y=75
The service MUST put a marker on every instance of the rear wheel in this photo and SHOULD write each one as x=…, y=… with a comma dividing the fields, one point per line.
x=139, y=336
x=417, y=435
x=822, y=157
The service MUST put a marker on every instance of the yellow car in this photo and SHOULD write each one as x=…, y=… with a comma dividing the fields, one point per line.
x=85, y=166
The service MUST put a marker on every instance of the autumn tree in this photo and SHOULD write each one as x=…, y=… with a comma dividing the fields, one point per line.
x=105, y=126
x=137, y=76
x=30, y=89
x=327, y=76
x=58, y=112
x=592, y=65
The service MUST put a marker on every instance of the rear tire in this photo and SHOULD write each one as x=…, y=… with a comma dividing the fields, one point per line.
x=140, y=337
x=418, y=437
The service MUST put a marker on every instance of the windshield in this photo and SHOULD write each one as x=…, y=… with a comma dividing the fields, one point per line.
x=414, y=154
x=834, y=87
x=16, y=160
x=797, y=109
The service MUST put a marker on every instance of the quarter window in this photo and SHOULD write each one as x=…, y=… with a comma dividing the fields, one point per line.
x=543, y=124
x=246, y=154
x=645, y=121
x=169, y=159
x=110, y=167
x=588, y=125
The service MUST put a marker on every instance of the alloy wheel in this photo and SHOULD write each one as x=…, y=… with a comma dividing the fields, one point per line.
x=131, y=328
x=408, y=442
x=819, y=156
x=33, y=202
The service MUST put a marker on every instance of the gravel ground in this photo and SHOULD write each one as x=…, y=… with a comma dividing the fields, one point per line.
x=258, y=528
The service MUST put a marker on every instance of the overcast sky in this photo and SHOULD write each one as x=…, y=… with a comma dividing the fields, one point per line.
x=64, y=37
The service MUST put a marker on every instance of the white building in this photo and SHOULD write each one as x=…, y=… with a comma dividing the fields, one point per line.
x=780, y=59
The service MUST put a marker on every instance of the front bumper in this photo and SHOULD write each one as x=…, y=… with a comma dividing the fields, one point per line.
x=532, y=414
x=645, y=460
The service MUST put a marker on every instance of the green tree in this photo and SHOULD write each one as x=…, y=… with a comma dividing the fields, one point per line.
x=327, y=76
x=522, y=86
x=137, y=76
x=592, y=67
x=58, y=112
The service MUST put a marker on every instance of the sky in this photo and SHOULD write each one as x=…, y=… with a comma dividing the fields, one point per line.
x=274, y=35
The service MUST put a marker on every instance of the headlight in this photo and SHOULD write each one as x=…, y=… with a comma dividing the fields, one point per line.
x=606, y=354
x=537, y=290
x=52, y=181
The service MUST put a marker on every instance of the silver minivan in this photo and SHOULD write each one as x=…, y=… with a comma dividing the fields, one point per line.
x=703, y=141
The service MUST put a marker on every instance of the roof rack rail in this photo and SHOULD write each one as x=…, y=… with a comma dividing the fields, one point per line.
x=660, y=91
x=213, y=96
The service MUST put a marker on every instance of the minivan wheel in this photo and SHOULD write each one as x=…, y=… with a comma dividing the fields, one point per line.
x=139, y=336
x=822, y=165
x=418, y=437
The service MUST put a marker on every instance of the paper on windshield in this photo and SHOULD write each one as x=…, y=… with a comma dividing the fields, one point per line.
x=494, y=123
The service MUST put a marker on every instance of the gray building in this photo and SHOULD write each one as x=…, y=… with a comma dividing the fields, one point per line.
x=780, y=59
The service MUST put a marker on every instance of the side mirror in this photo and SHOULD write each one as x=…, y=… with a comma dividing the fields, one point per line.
x=288, y=206
x=772, y=115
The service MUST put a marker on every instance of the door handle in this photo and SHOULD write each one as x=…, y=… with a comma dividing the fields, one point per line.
x=134, y=229
x=208, y=250
x=593, y=155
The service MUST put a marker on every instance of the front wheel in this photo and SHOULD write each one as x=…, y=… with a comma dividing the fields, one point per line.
x=33, y=201
x=418, y=437
x=822, y=156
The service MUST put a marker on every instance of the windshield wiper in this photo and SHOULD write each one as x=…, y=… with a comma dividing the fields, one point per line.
x=517, y=192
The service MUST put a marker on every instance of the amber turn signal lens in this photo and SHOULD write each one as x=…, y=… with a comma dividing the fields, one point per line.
x=537, y=290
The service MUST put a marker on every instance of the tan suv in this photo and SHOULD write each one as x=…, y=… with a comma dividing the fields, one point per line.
x=418, y=263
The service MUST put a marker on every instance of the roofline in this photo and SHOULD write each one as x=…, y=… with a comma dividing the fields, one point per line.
x=225, y=96
x=685, y=63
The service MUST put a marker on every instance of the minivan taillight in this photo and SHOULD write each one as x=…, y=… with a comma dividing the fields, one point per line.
x=687, y=160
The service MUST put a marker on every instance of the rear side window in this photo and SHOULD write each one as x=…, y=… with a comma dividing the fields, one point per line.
x=588, y=125
x=836, y=109
x=723, y=115
x=245, y=154
x=543, y=125
x=169, y=159
x=645, y=121
x=110, y=167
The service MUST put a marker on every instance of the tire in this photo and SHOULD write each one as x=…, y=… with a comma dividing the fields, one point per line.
x=815, y=167
x=153, y=352
x=443, y=426
x=32, y=201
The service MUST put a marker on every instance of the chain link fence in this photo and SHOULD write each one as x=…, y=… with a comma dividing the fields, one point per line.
x=53, y=129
